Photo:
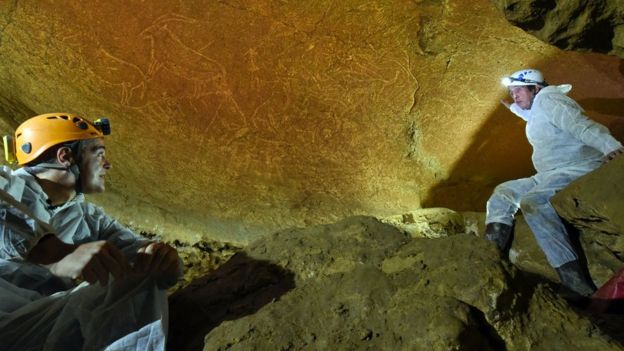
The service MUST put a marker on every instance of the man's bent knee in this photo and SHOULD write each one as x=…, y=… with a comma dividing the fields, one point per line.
x=531, y=203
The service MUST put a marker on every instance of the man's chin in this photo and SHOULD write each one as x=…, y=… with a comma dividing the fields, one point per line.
x=94, y=189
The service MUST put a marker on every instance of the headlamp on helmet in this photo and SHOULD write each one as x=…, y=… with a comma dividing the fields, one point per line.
x=524, y=77
x=103, y=125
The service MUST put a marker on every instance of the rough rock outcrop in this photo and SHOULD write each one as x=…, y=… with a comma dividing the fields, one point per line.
x=423, y=279
x=589, y=208
x=361, y=284
x=571, y=24
x=594, y=204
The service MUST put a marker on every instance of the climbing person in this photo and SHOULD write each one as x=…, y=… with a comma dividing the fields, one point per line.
x=566, y=145
x=71, y=277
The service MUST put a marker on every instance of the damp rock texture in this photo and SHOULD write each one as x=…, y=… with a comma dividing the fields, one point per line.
x=594, y=203
x=233, y=119
x=437, y=222
x=571, y=24
x=360, y=284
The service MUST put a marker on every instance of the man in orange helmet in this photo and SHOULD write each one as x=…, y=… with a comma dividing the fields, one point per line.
x=51, y=239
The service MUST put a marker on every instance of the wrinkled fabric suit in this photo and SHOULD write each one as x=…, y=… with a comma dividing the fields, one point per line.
x=566, y=145
x=40, y=311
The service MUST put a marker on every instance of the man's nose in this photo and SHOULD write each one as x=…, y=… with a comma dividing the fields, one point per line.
x=107, y=164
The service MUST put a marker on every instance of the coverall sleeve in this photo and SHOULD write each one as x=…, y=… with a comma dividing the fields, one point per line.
x=567, y=115
x=518, y=111
x=123, y=238
x=23, y=219
x=116, y=234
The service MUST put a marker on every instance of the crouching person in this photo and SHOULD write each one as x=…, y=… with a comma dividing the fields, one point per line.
x=566, y=145
x=71, y=277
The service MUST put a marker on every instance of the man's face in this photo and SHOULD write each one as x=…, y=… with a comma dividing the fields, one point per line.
x=93, y=166
x=522, y=96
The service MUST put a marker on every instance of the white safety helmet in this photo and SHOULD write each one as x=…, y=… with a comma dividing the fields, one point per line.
x=527, y=76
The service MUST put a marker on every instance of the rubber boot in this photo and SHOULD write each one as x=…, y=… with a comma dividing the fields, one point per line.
x=574, y=279
x=501, y=235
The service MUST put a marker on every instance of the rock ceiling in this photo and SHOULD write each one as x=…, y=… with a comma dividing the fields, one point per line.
x=596, y=26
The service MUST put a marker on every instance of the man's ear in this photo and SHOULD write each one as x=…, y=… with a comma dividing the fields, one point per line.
x=65, y=156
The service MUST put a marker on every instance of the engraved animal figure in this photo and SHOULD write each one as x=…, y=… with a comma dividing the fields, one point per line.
x=115, y=71
x=170, y=53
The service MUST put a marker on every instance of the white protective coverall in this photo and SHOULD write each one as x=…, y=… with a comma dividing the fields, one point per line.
x=40, y=311
x=566, y=145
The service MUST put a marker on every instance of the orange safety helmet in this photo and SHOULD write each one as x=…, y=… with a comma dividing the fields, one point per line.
x=39, y=133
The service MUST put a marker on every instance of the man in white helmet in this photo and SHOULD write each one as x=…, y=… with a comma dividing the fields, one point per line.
x=566, y=145
x=71, y=277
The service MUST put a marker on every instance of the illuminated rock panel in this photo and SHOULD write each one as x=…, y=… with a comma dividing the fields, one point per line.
x=232, y=119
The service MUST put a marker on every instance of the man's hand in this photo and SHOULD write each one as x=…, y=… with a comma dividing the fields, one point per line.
x=161, y=261
x=613, y=154
x=92, y=262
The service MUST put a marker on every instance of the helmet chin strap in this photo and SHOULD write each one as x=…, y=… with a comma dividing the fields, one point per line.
x=52, y=166
x=74, y=169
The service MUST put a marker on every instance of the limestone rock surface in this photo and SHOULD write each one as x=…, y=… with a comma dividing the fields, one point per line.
x=594, y=204
x=362, y=284
x=233, y=119
x=572, y=24
x=437, y=222
x=589, y=214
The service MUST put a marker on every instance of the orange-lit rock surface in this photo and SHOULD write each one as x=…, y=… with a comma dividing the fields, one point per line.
x=233, y=119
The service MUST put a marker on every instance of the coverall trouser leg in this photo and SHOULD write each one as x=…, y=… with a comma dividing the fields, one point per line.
x=131, y=315
x=532, y=195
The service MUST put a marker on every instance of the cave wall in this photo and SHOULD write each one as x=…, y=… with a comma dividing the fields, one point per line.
x=234, y=119
x=590, y=26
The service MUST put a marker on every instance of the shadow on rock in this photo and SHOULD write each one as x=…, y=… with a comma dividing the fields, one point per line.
x=610, y=321
x=608, y=317
x=608, y=106
x=238, y=288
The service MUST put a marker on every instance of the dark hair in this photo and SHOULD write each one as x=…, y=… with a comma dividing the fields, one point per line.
x=49, y=156
x=532, y=88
